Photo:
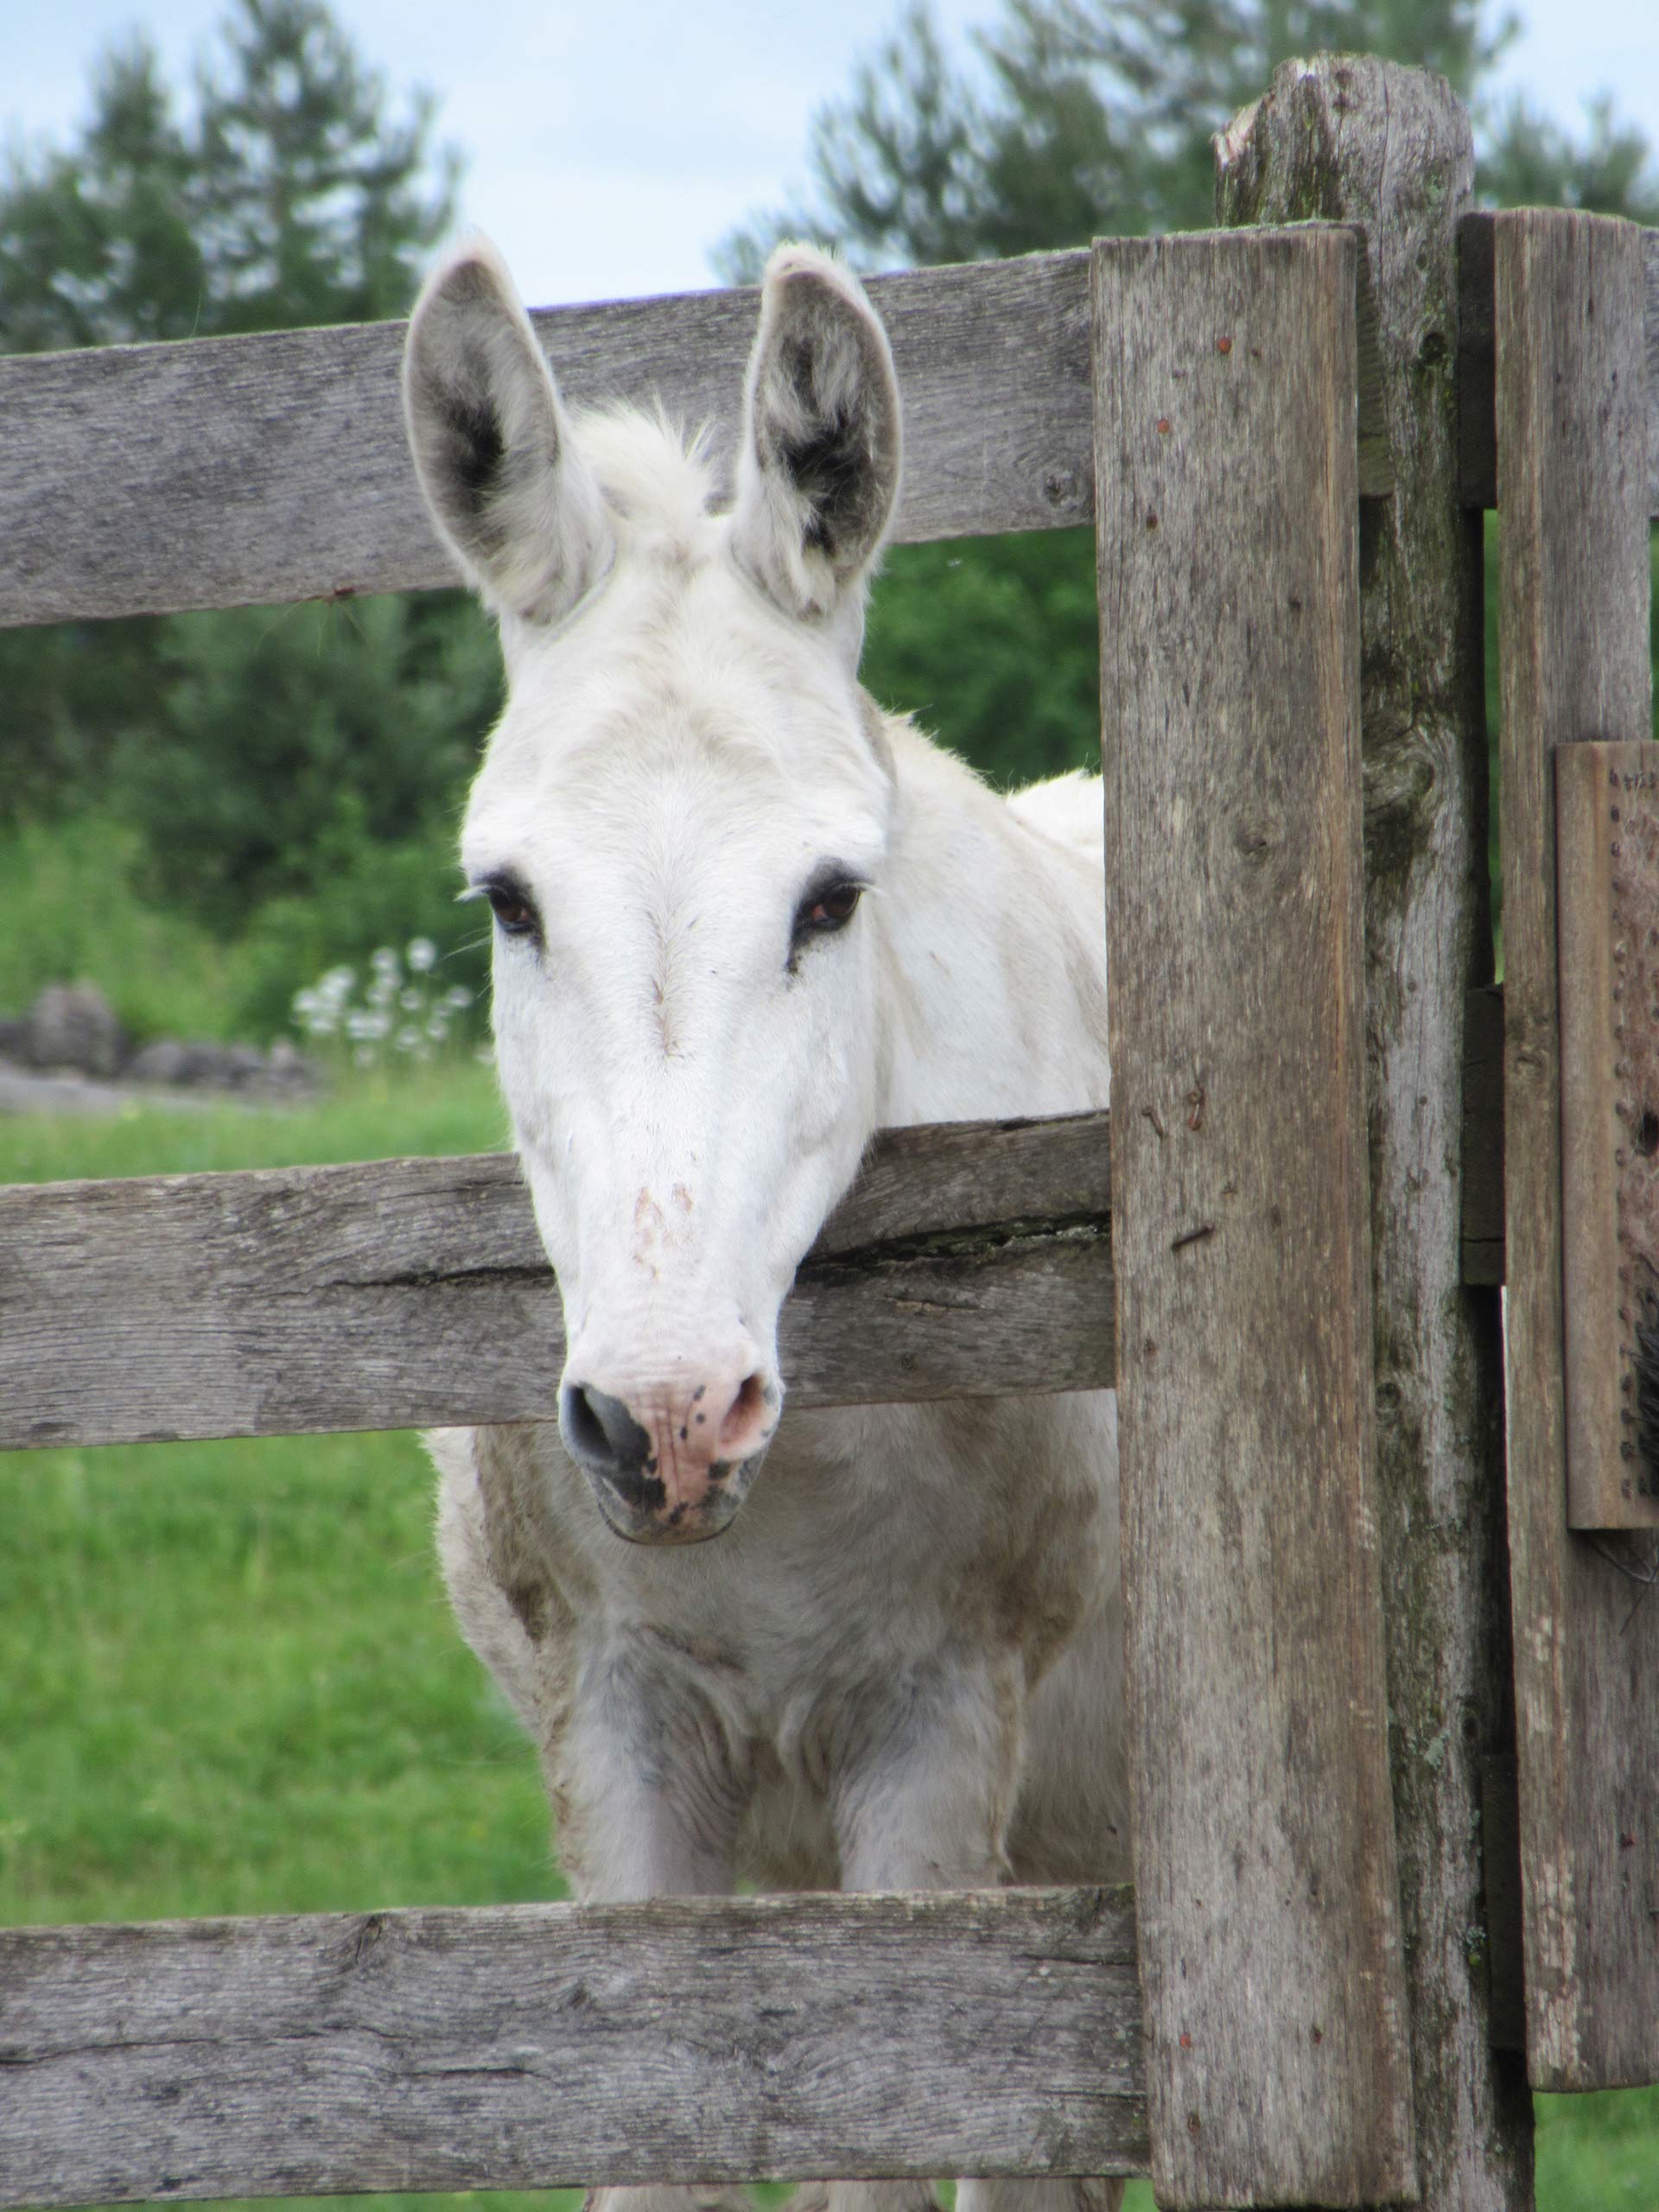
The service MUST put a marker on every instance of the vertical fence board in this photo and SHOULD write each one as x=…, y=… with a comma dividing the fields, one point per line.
x=1607, y=935
x=1571, y=455
x=1227, y=504
x=1356, y=140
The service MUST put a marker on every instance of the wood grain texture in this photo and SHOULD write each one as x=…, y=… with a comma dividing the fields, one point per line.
x=1278, y=2069
x=1607, y=930
x=228, y=471
x=1571, y=441
x=968, y=1260
x=532, y=2046
x=142, y=479
x=1478, y=365
x=1389, y=149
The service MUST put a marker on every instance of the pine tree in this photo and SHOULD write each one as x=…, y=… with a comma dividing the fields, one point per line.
x=287, y=191
x=1077, y=118
x=290, y=195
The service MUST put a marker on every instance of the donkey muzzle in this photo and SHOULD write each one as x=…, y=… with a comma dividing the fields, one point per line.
x=669, y=1463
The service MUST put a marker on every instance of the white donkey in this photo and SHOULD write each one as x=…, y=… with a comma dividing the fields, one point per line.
x=743, y=919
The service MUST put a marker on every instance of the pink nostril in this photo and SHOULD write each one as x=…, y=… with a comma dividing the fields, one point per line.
x=749, y=1420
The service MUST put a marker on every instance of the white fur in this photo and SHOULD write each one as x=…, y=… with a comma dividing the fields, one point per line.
x=900, y=1666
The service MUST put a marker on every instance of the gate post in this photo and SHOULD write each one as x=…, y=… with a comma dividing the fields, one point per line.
x=1573, y=412
x=1227, y=502
x=1366, y=142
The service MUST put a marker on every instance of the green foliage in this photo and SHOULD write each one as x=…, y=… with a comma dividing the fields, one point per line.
x=1529, y=162
x=284, y=796
x=389, y=1113
x=1084, y=118
x=1023, y=700
x=69, y=691
x=288, y=777
x=284, y=743
x=70, y=908
x=68, y=911
x=1598, y=2154
x=198, y=1628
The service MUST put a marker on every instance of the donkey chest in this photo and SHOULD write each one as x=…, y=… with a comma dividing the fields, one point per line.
x=847, y=1571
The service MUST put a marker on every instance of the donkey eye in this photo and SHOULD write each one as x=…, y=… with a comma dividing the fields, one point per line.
x=827, y=909
x=512, y=909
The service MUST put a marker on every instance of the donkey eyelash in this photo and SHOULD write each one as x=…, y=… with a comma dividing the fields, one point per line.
x=837, y=892
x=515, y=911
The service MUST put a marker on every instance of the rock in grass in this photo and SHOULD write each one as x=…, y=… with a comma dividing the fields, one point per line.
x=73, y=1026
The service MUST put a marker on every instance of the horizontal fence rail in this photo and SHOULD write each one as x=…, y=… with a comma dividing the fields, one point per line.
x=223, y=471
x=970, y=1259
x=536, y=2046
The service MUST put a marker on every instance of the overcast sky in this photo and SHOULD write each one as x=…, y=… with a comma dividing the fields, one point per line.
x=608, y=147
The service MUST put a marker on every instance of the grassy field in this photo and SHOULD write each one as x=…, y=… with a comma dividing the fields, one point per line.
x=228, y=1679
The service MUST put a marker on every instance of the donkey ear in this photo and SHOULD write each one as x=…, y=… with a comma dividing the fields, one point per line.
x=492, y=445
x=817, y=469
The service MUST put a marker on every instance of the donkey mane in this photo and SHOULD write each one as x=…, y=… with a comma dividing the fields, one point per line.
x=657, y=477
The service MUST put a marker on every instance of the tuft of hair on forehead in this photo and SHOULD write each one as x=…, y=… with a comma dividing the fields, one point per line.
x=657, y=476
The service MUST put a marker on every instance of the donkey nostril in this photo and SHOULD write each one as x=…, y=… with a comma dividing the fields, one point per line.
x=584, y=1436
x=600, y=1430
x=748, y=1418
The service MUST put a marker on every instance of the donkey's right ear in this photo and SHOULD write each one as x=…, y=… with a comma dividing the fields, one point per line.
x=507, y=489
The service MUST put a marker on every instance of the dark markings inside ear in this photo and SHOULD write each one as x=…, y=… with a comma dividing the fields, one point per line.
x=479, y=447
x=829, y=462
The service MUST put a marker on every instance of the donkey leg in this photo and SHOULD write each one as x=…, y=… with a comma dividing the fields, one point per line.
x=924, y=1784
x=1060, y=2195
x=864, y=2197
x=667, y=2196
x=648, y=1807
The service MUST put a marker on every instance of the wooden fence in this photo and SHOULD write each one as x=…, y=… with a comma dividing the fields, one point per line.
x=1388, y=1748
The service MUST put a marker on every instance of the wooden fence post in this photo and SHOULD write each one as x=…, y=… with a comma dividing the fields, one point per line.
x=1364, y=141
x=1573, y=504
x=1266, y=1905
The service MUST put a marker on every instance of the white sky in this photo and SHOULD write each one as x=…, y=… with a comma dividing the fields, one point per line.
x=610, y=146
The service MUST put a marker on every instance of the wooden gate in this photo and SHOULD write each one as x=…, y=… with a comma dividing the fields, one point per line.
x=1284, y=432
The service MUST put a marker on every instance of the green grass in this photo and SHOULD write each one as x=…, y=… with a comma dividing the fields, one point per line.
x=406, y=1110
x=229, y=1682
x=231, y=1685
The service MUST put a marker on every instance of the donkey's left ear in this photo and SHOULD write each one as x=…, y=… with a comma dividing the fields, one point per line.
x=817, y=470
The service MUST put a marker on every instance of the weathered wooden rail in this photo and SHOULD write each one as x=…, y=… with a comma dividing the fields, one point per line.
x=968, y=1260
x=534, y=2045
x=1317, y=1176
x=141, y=480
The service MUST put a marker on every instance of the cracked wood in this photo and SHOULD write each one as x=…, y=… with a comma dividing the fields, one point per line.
x=971, y=1259
x=542, y=2046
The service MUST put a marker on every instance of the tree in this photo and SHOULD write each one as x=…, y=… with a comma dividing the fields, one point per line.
x=291, y=194
x=265, y=758
x=1084, y=117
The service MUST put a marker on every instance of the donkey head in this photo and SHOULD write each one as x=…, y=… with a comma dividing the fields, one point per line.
x=681, y=808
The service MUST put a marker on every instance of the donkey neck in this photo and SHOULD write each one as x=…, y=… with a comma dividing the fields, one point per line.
x=992, y=960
